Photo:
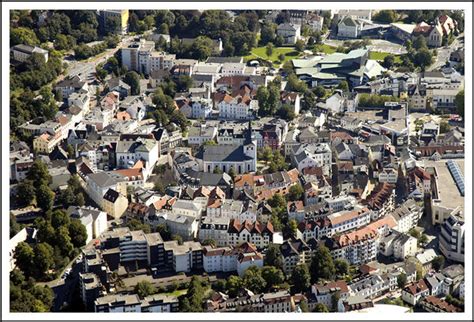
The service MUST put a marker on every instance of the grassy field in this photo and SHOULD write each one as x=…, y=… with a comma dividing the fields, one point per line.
x=325, y=49
x=381, y=55
x=260, y=52
x=176, y=293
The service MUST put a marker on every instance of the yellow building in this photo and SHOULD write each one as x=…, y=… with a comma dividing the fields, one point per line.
x=122, y=14
x=114, y=203
x=45, y=143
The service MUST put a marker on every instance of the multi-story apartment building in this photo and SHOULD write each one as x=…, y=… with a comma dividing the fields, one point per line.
x=451, y=242
x=228, y=259
x=349, y=220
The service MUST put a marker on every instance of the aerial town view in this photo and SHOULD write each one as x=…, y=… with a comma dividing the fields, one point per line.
x=237, y=161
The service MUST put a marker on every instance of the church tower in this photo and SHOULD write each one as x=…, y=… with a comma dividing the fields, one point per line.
x=250, y=147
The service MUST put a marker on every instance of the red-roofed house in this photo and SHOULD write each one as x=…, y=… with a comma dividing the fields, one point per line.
x=414, y=292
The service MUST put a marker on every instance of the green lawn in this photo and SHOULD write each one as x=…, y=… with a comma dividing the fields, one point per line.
x=176, y=293
x=260, y=52
x=381, y=55
x=325, y=49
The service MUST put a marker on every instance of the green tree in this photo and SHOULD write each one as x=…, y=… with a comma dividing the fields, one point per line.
x=45, y=197
x=23, y=36
x=178, y=238
x=136, y=224
x=304, y=306
x=296, y=192
x=414, y=233
x=342, y=267
x=80, y=199
x=388, y=61
x=322, y=265
x=344, y=86
x=209, y=242
x=444, y=127
x=419, y=43
x=295, y=84
x=15, y=227
x=43, y=259
x=25, y=193
x=402, y=280
x=144, y=289
x=112, y=25
x=194, y=299
x=39, y=173
x=320, y=307
x=253, y=280
x=100, y=72
x=293, y=227
x=202, y=48
x=272, y=276
x=267, y=33
x=319, y=91
x=438, y=262
x=24, y=258
x=217, y=170
x=269, y=49
x=46, y=232
x=60, y=218
x=459, y=101
x=423, y=58
x=133, y=79
x=299, y=45
x=78, y=233
x=385, y=16
x=273, y=256
x=300, y=278
x=234, y=285
x=63, y=240
x=232, y=173
x=281, y=57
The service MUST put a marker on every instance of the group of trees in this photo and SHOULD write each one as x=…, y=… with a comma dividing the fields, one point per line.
x=25, y=296
x=73, y=194
x=372, y=100
x=273, y=158
x=58, y=240
x=165, y=112
x=270, y=104
x=418, y=54
x=36, y=187
x=85, y=51
x=34, y=75
x=195, y=297
x=257, y=280
x=238, y=35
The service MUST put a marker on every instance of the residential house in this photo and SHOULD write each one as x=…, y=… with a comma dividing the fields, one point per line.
x=22, y=53
x=290, y=33
x=415, y=292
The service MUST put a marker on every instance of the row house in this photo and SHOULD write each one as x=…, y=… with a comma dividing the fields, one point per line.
x=230, y=259
x=325, y=293
x=407, y=215
x=381, y=199
x=349, y=220
x=239, y=107
x=314, y=229
x=295, y=252
x=312, y=155
x=215, y=229
x=256, y=233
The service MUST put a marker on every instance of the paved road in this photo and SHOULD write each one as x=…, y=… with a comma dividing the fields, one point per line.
x=444, y=53
x=87, y=67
